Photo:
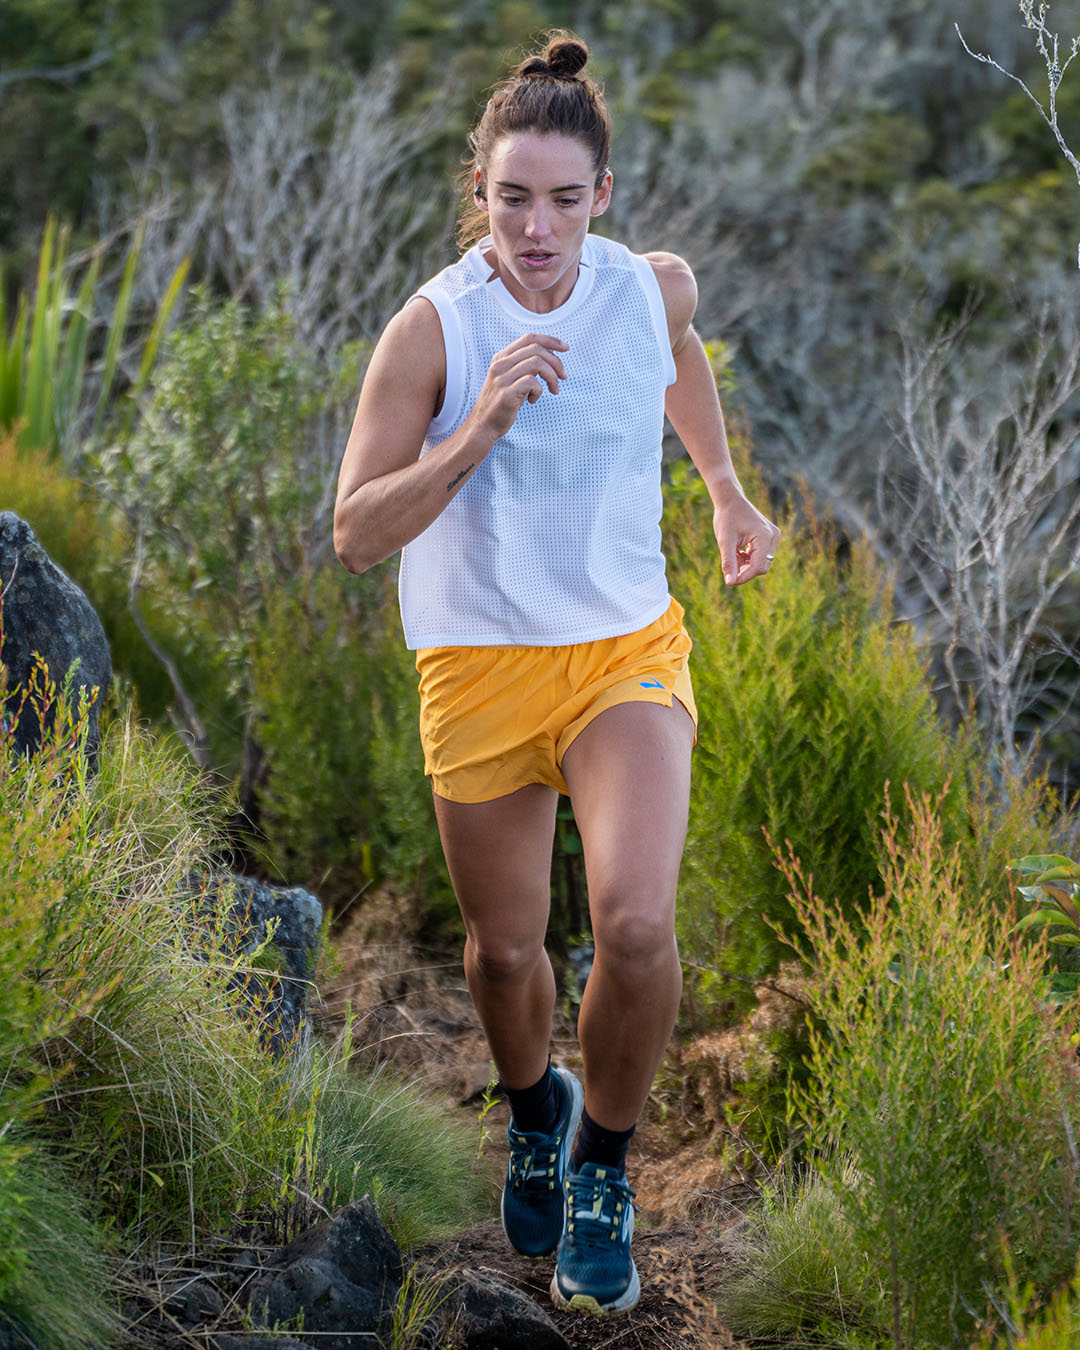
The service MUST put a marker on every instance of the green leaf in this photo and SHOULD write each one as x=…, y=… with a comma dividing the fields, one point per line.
x=36, y=407
x=1039, y=918
x=1035, y=863
x=1069, y=873
x=119, y=322
x=1065, y=940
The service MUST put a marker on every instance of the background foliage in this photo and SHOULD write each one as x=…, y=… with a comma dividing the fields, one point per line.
x=208, y=213
x=140, y=1107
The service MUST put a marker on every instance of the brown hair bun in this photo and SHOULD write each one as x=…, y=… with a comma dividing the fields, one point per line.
x=566, y=56
x=535, y=65
x=563, y=59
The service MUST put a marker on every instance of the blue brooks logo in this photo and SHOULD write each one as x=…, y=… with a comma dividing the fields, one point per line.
x=651, y=684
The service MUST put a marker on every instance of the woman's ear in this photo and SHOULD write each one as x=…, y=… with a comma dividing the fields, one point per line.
x=602, y=194
x=479, y=195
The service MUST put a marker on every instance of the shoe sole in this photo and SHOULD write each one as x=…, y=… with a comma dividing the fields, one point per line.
x=577, y=1103
x=585, y=1303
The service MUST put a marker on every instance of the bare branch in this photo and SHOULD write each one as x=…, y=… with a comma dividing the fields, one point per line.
x=984, y=512
x=1047, y=44
x=55, y=74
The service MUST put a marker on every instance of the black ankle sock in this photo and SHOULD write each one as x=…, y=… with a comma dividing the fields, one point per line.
x=536, y=1109
x=606, y=1148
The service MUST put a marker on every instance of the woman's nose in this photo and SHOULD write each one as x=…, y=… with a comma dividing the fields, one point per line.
x=536, y=224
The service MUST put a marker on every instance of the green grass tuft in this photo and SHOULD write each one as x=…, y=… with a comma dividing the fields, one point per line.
x=130, y=1054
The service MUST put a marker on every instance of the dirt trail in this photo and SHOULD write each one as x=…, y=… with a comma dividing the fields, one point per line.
x=415, y=1012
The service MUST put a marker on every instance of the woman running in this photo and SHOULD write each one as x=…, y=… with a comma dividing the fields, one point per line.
x=508, y=440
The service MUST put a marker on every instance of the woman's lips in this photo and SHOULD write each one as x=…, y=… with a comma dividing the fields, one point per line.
x=536, y=260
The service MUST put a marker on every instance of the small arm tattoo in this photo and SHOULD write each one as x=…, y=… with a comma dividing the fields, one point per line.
x=455, y=481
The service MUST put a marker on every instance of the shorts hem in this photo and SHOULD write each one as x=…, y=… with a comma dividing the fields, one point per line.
x=478, y=795
x=664, y=698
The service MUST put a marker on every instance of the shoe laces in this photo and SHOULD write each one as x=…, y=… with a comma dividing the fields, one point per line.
x=595, y=1207
x=533, y=1161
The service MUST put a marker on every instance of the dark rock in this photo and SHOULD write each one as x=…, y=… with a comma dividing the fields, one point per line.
x=196, y=1303
x=45, y=612
x=341, y=1277
x=494, y=1315
x=292, y=917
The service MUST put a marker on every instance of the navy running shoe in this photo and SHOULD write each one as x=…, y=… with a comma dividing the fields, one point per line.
x=534, y=1198
x=594, y=1272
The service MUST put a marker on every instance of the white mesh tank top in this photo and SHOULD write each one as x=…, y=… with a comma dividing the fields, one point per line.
x=556, y=536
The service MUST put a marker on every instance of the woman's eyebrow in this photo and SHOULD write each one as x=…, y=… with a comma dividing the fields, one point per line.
x=517, y=187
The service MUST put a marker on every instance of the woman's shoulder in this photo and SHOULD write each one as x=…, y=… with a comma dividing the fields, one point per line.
x=672, y=272
x=678, y=289
x=411, y=350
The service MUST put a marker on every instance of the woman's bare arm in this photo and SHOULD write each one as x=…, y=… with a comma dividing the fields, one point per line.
x=746, y=539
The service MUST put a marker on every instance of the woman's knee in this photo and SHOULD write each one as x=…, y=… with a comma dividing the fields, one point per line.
x=498, y=959
x=634, y=937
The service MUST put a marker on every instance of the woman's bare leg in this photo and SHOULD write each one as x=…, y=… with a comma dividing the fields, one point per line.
x=629, y=779
x=499, y=856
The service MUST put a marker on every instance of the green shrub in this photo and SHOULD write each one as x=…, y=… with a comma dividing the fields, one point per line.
x=296, y=670
x=810, y=701
x=343, y=799
x=406, y=834
x=55, y=1265
x=1029, y=1325
x=1051, y=884
x=224, y=488
x=313, y=668
x=793, y=1263
x=122, y=1014
x=941, y=1092
x=288, y=662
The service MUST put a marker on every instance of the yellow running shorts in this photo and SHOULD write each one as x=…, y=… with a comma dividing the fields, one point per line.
x=493, y=719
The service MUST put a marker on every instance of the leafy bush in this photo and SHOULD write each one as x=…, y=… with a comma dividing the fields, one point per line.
x=1029, y=1326
x=1052, y=886
x=122, y=1012
x=343, y=799
x=810, y=701
x=290, y=673
x=406, y=835
x=940, y=1078
x=226, y=483
x=55, y=1266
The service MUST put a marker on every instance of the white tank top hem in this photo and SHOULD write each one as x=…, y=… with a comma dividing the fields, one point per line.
x=555, y=539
